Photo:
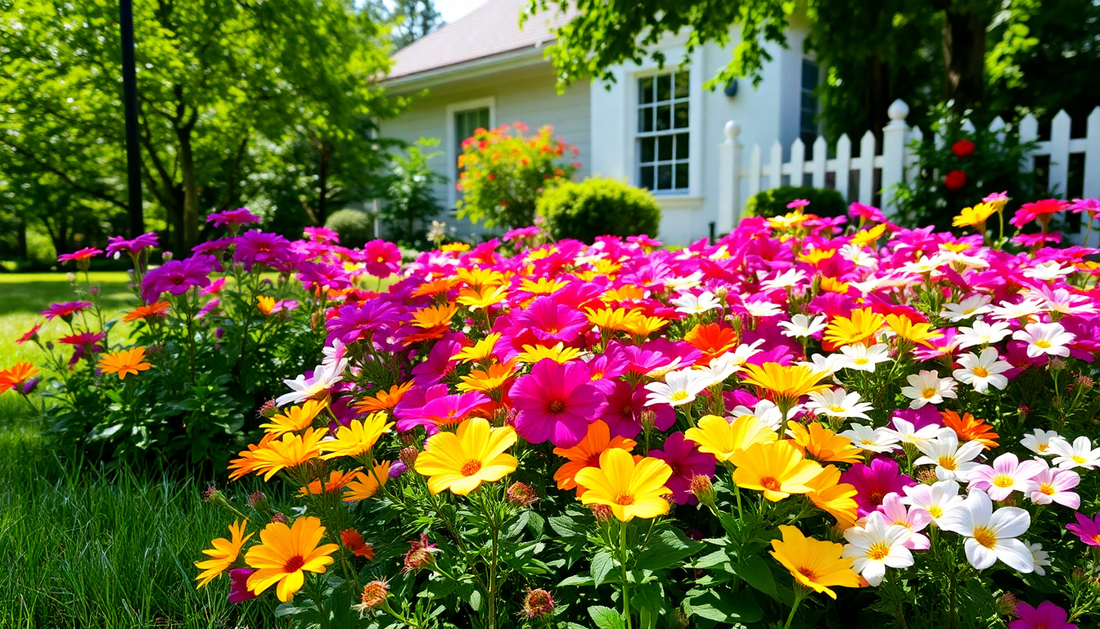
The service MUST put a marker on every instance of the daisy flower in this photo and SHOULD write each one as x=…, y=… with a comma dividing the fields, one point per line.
x=690, y=304
x=761, y=309
x=938, y=500
x=969, y=307
x=991, y=535
x=981, y=333
x=1045, y=338
x=1054, y=485
x=877, y=545
x=325, y=377
x=905, y=432
x=1026, y=308
x=873, y=439
x=982, y=371
x=838, y=403
x=1040, y=442
x=679, y=387
x=861, y=357
x=927, y=387
x=787, y=279
x=915, y=520
x=1006, y=475
x=285, y=554
x=952, y=461
x=1078, y=454
x=766, y=412
x=801, y=326
x=1041, y=559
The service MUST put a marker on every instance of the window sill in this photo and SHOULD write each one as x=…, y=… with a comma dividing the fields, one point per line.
x=678, y=201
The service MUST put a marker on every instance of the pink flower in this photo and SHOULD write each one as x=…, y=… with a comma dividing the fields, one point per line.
x=686, y=462
x=256, y=247
x=382, y=258
x=1088, y=529
x=238, y=585
x=913, y=519
x=556, y=402
x=797, y=203
x=1046, y=616
x=1054, y=485
x=1005, y=476
x=233, y=218
x=322, y=234
x=1039, y=210
x=444, y=411
x=1092, y=206
x=866, y=213
x=79, y=256
x=873, y=483
x=118, y=244
x=65, y=310
x=624, y=409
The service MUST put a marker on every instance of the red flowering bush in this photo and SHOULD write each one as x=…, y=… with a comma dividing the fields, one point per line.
x=504, y=171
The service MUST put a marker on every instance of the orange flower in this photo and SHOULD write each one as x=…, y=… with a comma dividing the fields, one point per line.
x=711, y=339
x=970, y=429
x=383, y=400
x=146, y=311
x=353, y=541
x=337, y=480
x=124, y=362
x=489, y=379
x=434, y=316
x=247, y=463
x=436, y=287
x=16, y=376
x=587, y=454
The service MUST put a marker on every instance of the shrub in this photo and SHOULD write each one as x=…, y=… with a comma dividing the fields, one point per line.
x=769, y=203
x=598, y=207
x=504, y=171
x=410, y=194
x=354, y=227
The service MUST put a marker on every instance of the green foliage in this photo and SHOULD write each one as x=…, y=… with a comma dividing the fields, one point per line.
x=410, y=19
x=769, y=203
x=505, y=171
x=598, y=207
x=354, y=227
x=410, y=193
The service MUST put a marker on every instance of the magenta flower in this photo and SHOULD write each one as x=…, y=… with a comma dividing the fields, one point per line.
x=238, y=585
x=686, y=462
x=551, y=322
x=239, y=216
x=443, y=411
x=556, y=402
x=1088, y=529
x=624, y=408
x=520, y=233
x=866, y=213
x=329, y=276
x=382, y=258
x=119, y=245
x=256, y=247
x=354, y=322
x=322, y=234
x=65, y=310
x=79, y=256
x=1046, y=616
x=874, y=482
x=177, y=277
x=210, y=246
x=1039, y=210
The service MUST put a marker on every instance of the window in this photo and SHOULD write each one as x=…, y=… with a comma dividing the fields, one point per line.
x=663, y=132
x=807, y=121
x=466, y=122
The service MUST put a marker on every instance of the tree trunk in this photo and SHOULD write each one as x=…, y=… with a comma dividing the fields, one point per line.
x=322, y=197
x=189, y=216
x=20, y=238
x=877, y=97
x=964, y=58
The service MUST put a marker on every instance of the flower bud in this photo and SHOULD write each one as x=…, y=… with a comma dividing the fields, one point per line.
x=70, y=276
x=166, y=256
x=538, y=603
x=30, y=385
x=522, y=494
x=373, y=595
x=279, y=518
x=927, y=477
x=94, y=291
x=1006, y=605
x=407, y=437
x=1056, y=364
x=601, y=512
x=257, y=500
x=1085, y=382
x=408, y=455
x=269, y=409
x=703, y=489
x=647, y=417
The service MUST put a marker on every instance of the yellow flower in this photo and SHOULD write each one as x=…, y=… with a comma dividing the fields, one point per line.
x=821, y=444
x=357, y=437
x=265, y=303
x=479, y=351
x=291, y=451
x=624, y=293
x=913, y=332
x=630, y=489
x=813, y=256
x=587, y=453
x=223, y=555
x=434, y=316
x=868, y=237
x=860, y=328
x=477, y=278
x=544, y=286
x=788, y=220
x=834, y=497
x=490, y=379
x=644, y=326
x=124, y=362
x=483, y=297
x=455, y=247
x=463, y=460
x=285, y=554
x=833, y=285
x=559, y=353
x=974, y=217
x=785, y=383
x=776, y=468
x=611, y=318
x=813, y=563
x=294, y=418
x=366, y=484
x=721, y=438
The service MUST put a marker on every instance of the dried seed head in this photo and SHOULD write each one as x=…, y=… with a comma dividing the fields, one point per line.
x=522, y=494
x=408, y=455
x=538, y=603
x=1006, y=605
x=703, y=489
x=268, y=410
x=279, y=517
x=257, y=500
x=373, y=595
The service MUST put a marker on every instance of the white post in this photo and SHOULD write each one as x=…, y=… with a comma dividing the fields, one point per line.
x=1092, y=156
x=775, y=168
x=867, y=168
x=1029, y=132
x=1059, y=154
x=894, y=138
x=820, y=162
x=843, y=165
x=798, y=162
x=729, y=184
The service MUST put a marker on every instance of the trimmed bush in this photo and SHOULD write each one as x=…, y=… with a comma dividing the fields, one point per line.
x=769, y=203
x=355, y=227
x=598, y=207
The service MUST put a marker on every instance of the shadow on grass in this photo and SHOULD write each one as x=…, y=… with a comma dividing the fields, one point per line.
x=30, y=293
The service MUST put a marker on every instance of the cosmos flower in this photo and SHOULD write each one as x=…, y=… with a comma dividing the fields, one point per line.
x=991, y=535
x=555, y=403
x=686, y=463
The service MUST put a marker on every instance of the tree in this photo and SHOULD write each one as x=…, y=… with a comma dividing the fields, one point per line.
x=215, y=79
x=412, y=19
x=410, y=194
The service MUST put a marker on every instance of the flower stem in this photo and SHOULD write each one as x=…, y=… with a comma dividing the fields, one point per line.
x=799, y=594
x=622, y=565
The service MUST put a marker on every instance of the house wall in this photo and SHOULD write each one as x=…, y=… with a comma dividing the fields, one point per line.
x=526, y=94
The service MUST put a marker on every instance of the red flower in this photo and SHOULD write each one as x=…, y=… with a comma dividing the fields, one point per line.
x=963, y=148
x=954, y=180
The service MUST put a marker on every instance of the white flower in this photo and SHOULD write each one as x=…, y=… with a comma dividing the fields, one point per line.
x=1039, y=557
x=787, y=279
x=951, y=460
x=684, y=283
x=876, y=546
x=821, y=362
x=1078, y=454
x=1046, y=271
x=766, y=412
x=927, y=264
x=696, y=304
x=905, y=432
x=838, y=403
x=801, y=326
x=927, y=387
x=1005, y=310
x=679, y=387
x=1045, y=338
x=745, y=351
x=858, y=256
x=991, y=535
x=1054, y=485
x=862, y=358
x=660, y=372
x=325, y=376
x=969, y=307
x=981, y=333
x=720, y=368
x=1040, y=441
x=761, y=309
x=334, y=353
x=982, y=371
x=873, y=439
x=939, y=500
x=1006, y=475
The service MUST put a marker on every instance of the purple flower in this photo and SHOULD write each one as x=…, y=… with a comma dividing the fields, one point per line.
x=256, y=247
x=874, y=482
x=382, y=258
x=238, y=585
x=211, y=246
x=65, y=310
x=177, y=277
x=1088, y=529
x=329, y=276
x=322, y=234
x=686, y=462
x=556, y=402
x=118, y=245
x=239, y=216
x=354, y=322
x=1046, y=616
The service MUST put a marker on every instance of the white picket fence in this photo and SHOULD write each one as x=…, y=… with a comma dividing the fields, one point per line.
x=858, y=177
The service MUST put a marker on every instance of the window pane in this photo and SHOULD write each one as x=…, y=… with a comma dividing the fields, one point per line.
x=681, y=115
x=482, y=118
x=681, y=176
x=647, y=150
x=664, y=177
x=664, y=148
x=645, y=119
x=664, y=87
x=645, y=90
x=646, y=179
x=809, y=74
x=681, y=146
x=664, y=117
x=682, y=84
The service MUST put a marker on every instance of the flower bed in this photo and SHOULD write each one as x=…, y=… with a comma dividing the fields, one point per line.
x=806, y=424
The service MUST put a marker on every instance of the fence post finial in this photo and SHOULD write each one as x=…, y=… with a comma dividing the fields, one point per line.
x=897, y=112
x=729, y=184
x=733, y=130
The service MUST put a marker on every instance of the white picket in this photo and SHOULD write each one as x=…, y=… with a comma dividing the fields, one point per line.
x=754, y=171
x=912, y=162
x=1059, y=154
x=867, y=168
x=775, y=167
x=1029, y=132
x=998, y=128
x=798, y=162
x=820, y=161
x=1092, y=156
x=843, y=164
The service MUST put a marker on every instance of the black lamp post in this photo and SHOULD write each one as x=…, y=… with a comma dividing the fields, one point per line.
x=130, y=103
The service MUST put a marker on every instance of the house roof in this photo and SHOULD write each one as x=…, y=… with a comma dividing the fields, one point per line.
x=489, y=30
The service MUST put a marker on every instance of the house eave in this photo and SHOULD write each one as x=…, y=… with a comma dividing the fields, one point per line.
x=528, y=56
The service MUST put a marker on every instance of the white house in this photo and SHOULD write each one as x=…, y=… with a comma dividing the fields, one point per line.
x=653, y=128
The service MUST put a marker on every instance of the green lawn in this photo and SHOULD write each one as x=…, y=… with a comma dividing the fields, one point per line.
x=83, y=548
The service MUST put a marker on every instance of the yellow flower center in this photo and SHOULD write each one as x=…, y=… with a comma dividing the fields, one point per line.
x=1042, y=447
x=1078, y=458
x=935, y=511
x=836, y=409
x=294, y=564
x=807, y=572
x=948, y=463
x=471, y=468
x=1042, y=343
x=985, y=536
x=878, y=552
x=862, y=361
x=1047, y=489
x=769, y=483
x=624, y=500
x=678, y=396
x=980, y=372
x=1003, y=480
x=928, y=393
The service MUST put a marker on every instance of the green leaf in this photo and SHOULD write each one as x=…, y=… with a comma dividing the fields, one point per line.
x=665, y=549
x=728, y=608
x=606, y=618
x=602, y=563
x=755, y=571
x=577, y=579
x=711, y=560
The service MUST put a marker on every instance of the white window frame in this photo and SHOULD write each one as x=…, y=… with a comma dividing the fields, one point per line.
x=452, y=141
